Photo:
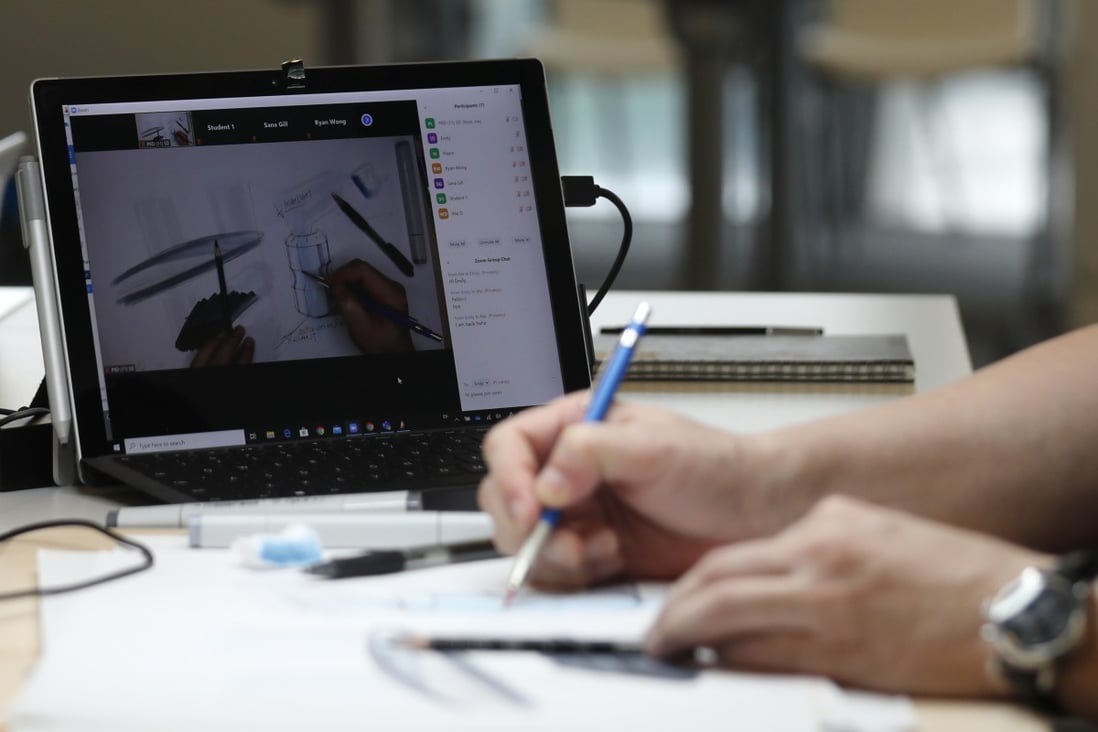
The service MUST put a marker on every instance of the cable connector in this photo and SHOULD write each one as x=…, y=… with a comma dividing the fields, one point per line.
x=579, y=190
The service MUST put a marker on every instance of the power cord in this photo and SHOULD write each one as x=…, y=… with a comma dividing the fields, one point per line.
x=14, y=415
x=581, y=191
x=146, y=553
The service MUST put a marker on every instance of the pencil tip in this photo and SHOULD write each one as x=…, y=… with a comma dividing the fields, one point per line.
x=508, y=597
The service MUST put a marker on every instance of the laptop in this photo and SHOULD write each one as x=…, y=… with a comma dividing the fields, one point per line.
x=303, y=281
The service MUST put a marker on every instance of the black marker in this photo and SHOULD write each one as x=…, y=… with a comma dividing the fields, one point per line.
x=400, y=560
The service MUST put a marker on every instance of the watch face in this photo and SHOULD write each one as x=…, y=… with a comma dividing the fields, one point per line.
x=1043, y=620
x=1037, y=618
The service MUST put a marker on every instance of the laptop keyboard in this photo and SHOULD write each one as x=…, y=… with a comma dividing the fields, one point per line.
x=351, y=465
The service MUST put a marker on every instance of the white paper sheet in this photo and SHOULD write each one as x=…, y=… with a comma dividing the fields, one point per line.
x=199, y=642
x=12, y=298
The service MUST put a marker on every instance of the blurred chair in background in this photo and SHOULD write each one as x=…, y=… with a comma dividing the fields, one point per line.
x=606, y=37
x=858, y=46
x=596, y=52
x=606, y=44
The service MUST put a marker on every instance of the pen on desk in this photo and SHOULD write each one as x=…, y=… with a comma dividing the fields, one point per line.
x=401, y=560
x=542, y=645
x=602, y=395
x=722, y=330
x=381, y=309
x=390, y=251
x=219, y=261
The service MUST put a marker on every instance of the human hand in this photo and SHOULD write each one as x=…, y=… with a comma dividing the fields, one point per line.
x=645, y=492
x=371, y=332
x=224, y=349
x=868, y=596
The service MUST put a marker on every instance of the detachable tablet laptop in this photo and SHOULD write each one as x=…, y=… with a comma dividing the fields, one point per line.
x=390, y=239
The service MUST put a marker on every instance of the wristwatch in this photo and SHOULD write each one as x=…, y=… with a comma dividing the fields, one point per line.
x=1038, y=619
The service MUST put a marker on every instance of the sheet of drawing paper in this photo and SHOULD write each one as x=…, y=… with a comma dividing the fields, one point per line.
x=200, y=642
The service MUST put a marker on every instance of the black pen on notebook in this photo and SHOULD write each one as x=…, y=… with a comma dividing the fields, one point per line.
x=360, y=221
x=602, y=395
x=219, y=262
x=723, y=330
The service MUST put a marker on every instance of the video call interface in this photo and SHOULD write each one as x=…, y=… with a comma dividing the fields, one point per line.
x=202, y=227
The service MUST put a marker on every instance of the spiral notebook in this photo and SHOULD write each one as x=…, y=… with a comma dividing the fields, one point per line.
x=883, y=358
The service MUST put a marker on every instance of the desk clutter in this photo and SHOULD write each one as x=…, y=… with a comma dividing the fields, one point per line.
x=718, y=354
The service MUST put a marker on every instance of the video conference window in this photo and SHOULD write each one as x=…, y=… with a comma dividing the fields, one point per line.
x=197, y=222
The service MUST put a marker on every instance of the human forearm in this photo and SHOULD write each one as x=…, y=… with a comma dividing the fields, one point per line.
x=1009, y=450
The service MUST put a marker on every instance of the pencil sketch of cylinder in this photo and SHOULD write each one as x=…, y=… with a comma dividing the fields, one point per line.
x=309, y=253
x=307, y=246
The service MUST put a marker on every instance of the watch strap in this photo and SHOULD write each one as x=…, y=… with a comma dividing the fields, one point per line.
x=1033, y=687
x=1078, y=566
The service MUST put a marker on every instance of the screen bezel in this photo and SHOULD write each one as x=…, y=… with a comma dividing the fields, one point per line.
x=48, y=96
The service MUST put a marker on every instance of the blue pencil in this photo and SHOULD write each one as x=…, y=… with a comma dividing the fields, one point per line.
x=383, y=310
x=601, y=398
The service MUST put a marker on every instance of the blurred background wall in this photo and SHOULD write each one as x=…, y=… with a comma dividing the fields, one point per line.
x=824, y=145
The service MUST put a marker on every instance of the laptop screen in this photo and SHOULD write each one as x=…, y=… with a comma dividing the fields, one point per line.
x=286, y=266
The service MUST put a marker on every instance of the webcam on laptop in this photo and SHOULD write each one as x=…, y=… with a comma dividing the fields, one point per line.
x=293, y=74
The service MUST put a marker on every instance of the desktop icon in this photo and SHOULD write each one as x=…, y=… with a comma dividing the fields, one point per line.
x=303, y=432
x=352, y=428
x=429, y=123
x=439, y=183
x=369, y=426
x=436, y=168
x=287, y=433
x=337, y=430
x=320, y=430
x=386, y=425
x=432, y=137
x=367, y=120
x=270, y=434
x=440, y=197
x=444, y=213
x=435, y=153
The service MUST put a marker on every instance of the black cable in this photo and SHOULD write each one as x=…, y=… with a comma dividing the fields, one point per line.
x=42, y=592
x=580, y=190
x=14, y=415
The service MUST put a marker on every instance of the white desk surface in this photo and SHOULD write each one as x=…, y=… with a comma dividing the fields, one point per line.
x=931, y=323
